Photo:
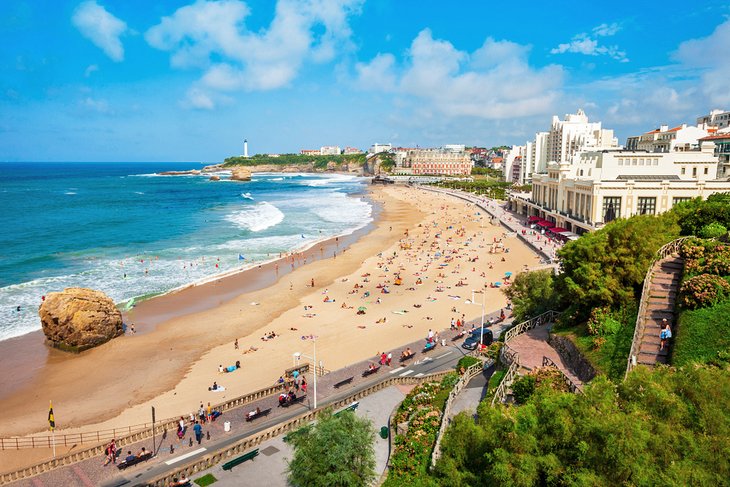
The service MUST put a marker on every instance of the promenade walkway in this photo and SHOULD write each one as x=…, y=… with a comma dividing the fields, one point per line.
x=92, y=472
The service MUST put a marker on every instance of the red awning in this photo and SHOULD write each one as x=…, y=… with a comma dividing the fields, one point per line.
x=534, y=219
x=558, y=230
x=546, y=224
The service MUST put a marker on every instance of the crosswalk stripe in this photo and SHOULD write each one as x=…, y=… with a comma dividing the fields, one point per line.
x=183, y=457
x=406, y=373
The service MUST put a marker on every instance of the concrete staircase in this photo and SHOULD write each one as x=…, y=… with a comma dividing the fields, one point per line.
x=666, y=274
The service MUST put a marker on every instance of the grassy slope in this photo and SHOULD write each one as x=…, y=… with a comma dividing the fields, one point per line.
x=701, y=334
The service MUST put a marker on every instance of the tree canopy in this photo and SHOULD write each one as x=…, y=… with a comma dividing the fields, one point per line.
x=607, y=267
x=532, y=293
x=660, y=427
x=336, y=451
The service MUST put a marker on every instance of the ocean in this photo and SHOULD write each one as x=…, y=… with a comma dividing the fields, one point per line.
x=122, y=229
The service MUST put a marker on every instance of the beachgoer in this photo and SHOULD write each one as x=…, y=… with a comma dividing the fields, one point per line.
x=130, y=458
x=210, y=413
x=198, y=432
x=235, y=344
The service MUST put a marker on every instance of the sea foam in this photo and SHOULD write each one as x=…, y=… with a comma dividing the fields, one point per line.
x=257, y=218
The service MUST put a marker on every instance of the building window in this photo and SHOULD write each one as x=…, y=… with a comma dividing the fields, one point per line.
x=684, y=170
x=620, y=162
x=706, y=171
x=633, y=162
x=646, y=206
x=611, y=208
x=694, y=172
x=679, y=199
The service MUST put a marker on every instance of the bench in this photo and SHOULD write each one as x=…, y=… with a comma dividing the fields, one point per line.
x=239, y=460
x=461, y=334
x=140, y=459
x=351, y=407
x=407, y=357
x=344, y=382
x=428, y=349
x=251, y=417
x=371, y=371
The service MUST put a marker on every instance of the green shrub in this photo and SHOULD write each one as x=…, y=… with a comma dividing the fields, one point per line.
x=702, y=291
x=713, y=230
x=206, y=480
x=522, y=388
x=466, y=362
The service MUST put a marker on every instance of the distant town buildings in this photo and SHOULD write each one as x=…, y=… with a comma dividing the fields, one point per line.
x=716, y=118
x=352, y=150
x=329, y=150
x=592, y=184
x=452, y=161
x=378, y=148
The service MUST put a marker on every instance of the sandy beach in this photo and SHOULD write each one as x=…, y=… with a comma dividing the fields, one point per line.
x=438, y=245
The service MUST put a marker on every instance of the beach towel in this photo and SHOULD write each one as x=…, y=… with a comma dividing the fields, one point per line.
x=220, y=389
x=400, y=311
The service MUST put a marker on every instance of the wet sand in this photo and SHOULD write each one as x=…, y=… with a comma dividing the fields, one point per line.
x=183, y=337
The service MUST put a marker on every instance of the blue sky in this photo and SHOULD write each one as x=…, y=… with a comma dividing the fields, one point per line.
x=113, y=80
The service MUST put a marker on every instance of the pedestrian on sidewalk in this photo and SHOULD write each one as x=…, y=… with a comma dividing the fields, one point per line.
x=198, y=432
x=390, y=357
x=665, y=334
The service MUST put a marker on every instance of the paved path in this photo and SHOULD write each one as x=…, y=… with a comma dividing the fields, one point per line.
x=532, y=346
x=474, y=392
x=269, y=468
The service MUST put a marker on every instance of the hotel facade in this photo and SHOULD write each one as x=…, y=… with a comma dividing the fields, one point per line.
x=595, y=187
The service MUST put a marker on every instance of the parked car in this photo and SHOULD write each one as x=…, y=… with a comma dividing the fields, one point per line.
x=473, y=339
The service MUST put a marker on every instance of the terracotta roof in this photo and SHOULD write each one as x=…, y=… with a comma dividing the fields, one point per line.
x=655, y=131
x=717, y=137
x=675, y=129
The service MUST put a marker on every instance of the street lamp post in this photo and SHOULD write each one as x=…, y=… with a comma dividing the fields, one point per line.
x=481, y=330
x=298, y=355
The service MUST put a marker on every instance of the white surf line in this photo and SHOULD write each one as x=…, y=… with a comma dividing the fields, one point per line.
x=183, y=457
x=442, y=356
x=406, y=373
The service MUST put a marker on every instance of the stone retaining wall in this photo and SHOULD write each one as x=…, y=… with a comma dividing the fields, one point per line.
x=572, y=357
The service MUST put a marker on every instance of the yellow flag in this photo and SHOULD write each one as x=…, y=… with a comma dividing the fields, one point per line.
x=51, y=420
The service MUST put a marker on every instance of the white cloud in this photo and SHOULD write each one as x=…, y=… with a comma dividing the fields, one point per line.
x=584, y=43
x=100, y=106
x=710, y=56
x=301, y=31
x=90, y=69
x=101, y=28
x=199, y=99
x=493, y=82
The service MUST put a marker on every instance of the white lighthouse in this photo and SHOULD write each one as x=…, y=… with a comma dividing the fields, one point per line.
x=245, y=147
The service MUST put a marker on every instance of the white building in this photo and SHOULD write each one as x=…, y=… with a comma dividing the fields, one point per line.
x=512, y=163
x=330, y=150
x=535, y=159
x=378, y=148
x=438, y=162
x=454, y=147
x=665, y=139
x=574, y=134
x=600, y=186
x=717, y=118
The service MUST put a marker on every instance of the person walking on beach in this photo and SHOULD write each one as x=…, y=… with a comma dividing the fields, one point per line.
x=312, y=282
x=235, y=344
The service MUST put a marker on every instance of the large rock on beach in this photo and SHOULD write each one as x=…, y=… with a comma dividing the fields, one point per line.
x=77, y=319
x=215, y=178
x=240, y=174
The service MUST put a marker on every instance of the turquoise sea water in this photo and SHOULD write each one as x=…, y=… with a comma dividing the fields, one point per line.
x=122, y=229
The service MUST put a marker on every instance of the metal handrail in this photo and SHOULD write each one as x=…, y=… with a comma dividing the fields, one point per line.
x=670, y=248
x=572, y=386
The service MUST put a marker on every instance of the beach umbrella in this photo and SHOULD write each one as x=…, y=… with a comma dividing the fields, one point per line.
x=361, y=308
x=507, y=274
x=497, y=284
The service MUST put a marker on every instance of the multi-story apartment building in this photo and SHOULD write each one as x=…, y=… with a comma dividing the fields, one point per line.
x=575, y=133
x=330, y=150
x=378, y=148
x=665, y=139
x=352, y=150
x=722, y=151
x=438, y=161
x=600, y=186
x=717, y=118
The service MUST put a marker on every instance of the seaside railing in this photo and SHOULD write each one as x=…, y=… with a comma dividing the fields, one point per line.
x=671, y=248
x=136, y=432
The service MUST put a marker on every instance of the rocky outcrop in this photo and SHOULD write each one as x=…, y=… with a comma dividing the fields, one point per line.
x=240, y=173
x=77, y=319
x=215, y=177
